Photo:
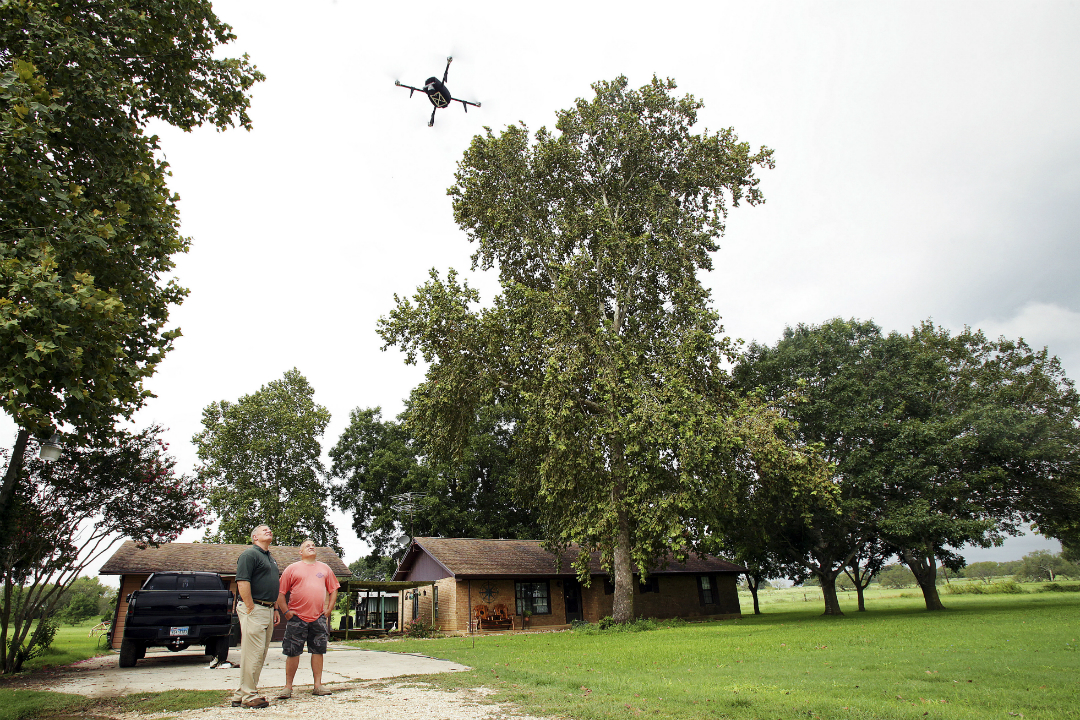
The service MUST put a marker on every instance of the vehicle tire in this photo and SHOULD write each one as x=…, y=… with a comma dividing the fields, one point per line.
x=222, y=645
x=129, y=652
x=141, y=651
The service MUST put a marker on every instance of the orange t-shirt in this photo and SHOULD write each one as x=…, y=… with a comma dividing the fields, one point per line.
x=307, y=585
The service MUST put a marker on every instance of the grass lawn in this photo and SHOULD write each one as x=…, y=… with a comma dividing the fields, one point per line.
x=71, y=644
x=986, y=656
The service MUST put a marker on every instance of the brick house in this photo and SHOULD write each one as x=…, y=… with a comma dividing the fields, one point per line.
x=134, y=564
x=520, y=575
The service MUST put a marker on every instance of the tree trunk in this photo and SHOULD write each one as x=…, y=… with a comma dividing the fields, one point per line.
x=623, y=610
x=856, y=579
x=4, y=620
x=828, y=591
x=11, y=477
x=924, y=567
x=753, y=583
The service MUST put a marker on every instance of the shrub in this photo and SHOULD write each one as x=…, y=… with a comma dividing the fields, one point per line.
x=1010, y=587
x=421, y=629
x=1058, y=587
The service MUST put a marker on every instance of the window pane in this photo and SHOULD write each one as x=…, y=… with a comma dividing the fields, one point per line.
x=705, y=583
x=161, y=582
x=532, y=596
x=207, y=582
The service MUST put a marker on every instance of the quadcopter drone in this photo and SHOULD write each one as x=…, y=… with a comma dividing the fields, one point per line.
x=437, y=93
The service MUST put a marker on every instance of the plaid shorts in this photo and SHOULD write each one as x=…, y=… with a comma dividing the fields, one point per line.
x=297, y=632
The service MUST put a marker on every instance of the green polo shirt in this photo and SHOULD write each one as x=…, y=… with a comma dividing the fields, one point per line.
x=258, y=567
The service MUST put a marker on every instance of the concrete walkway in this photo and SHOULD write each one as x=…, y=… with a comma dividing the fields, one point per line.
x=190, y=670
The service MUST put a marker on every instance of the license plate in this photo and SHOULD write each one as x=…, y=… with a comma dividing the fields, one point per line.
x=178, y=630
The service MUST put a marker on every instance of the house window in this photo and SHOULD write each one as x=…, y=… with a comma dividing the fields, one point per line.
x=651, y=585
x=609, y=586
x=435, y=600
x=707, y=589
x=533, y=596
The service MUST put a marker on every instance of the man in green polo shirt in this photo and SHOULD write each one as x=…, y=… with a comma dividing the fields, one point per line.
x=257, y=584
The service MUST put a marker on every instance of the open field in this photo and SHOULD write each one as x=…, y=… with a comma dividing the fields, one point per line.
x=987, y=656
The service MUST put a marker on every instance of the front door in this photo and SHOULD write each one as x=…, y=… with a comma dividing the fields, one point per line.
x=572, y=600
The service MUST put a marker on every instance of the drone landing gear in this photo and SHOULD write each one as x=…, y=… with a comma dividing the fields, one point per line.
x=431, y=122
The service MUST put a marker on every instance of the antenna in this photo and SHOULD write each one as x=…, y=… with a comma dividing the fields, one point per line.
x=408, y=503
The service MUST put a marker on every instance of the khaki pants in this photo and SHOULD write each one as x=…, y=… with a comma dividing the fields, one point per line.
x=256, y=629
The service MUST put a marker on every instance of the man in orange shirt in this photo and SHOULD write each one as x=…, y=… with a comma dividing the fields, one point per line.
x=312, y=592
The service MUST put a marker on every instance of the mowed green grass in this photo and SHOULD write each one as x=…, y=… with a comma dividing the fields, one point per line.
x=984, y=657
x=71, y=644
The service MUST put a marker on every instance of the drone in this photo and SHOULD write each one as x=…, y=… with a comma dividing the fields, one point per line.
x=437, y=93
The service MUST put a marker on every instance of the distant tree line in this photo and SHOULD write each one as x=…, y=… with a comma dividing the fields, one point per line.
x=1040, y=565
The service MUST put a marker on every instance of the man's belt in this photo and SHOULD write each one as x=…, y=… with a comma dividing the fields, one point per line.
x=266, y=603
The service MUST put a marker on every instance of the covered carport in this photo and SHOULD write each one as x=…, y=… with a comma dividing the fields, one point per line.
x=358, y=588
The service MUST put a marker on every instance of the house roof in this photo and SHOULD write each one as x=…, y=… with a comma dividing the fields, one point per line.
x=210, y=557
x=473, y=558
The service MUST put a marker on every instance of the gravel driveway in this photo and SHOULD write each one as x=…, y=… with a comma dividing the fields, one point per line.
x=378, y=700
x=367, y=685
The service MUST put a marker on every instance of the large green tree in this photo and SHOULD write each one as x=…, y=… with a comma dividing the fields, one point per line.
x=983, y=436
x=378, y=461
x=939, y=440
x=88, y=227
x=603, y=336
x=824, y=379
x=261, y=458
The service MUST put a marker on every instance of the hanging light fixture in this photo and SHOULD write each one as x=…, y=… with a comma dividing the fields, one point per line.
x=51, y=449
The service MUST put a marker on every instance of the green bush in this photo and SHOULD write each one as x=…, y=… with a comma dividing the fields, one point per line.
x=1010, y=587
x=1058, y=587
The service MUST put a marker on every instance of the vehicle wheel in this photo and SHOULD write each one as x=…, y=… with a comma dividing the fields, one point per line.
x=129, y=652
x=141, y=651
x=222, y=645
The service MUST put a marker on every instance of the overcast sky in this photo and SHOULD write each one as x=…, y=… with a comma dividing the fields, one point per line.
x=927, y=166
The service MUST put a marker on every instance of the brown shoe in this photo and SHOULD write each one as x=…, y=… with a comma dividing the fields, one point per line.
x=259, y=702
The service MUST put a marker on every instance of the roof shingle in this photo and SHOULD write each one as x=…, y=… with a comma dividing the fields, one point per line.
x=470, y=557
x=207, y=557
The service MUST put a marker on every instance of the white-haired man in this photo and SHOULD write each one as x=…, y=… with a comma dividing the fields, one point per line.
x=257, y=577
